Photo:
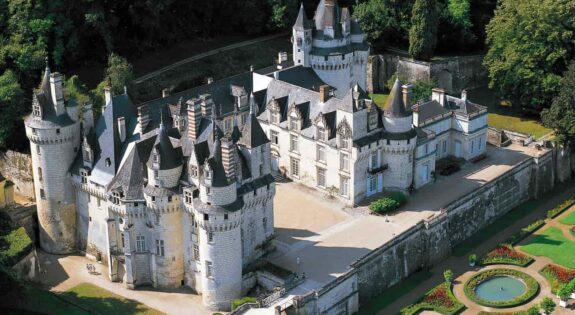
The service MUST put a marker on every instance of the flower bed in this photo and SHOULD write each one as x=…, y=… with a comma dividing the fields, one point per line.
x=557, y=276
x=440, y=299
x=561, y=208
x=504, y=254
x=530, y=292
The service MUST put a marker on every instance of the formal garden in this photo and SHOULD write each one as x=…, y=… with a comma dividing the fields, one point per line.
x=531, y=272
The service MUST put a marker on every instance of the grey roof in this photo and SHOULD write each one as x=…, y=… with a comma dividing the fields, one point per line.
x=170, y=156
x=355, y=27
x=428, y=110
x=464, y=107
x=341, y=50
x=302, y=23
x=302, y=77
x=252, y=133
x=219, y=178
x=394, y=106
x=130, y=177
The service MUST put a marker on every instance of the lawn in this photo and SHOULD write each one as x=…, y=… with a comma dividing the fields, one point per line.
x=553, y=244
x=379, y=98
x=395, y=292
x=569, y=219
x=36, y=300
x=102, y=301
x=505, y=117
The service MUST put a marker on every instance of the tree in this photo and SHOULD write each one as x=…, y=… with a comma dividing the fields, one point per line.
x=448, y=275
x=530, y=43
x=375, y=18
x=548, y=305
x=423, y=32
x=11, y=105
x=283, y=13
x=422, y=90
x=119, y=72
x=561, y=116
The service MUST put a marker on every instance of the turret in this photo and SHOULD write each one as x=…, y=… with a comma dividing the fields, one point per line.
x=166, y=162
x=54, y=140
x=255, y=144
x=301, y=38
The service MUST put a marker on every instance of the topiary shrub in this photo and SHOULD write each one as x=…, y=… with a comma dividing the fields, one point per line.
x=384, y=205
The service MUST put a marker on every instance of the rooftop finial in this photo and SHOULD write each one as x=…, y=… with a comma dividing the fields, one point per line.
x=47, y=60
x=252, y=104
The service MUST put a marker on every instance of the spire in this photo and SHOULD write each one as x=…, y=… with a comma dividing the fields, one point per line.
x=253, y=110
x=394, y=106
x=45, y=85
x=236, y=134
x=302, y=23
x=252, y=132
x=170, y=157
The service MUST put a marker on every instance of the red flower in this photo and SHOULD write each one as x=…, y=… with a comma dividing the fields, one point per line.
x=439, y=297
x=561, y=274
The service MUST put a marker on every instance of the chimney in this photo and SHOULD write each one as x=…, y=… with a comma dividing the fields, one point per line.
x=464, y=95
x=165, y=92
x=122, y=129
x=323, y=93
x=143, y=118
x=276, y=75
x=107, y=96
x=194, y=117
x=87, y=117
x=438, y=95
x=407, y=90
x=206, y=105
x=282, y=57
x=252, y=68
x=56, y=87
x=210, y=80
x=228, y=158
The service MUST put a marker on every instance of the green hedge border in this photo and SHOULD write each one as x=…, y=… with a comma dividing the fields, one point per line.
x=511, y=262
x=419, y=306
x=559, y=209
x=530, y=292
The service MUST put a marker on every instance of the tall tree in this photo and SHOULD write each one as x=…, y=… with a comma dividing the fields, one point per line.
x=561, y=116
x=423, y=32
x=530, y=42
x=11, y=105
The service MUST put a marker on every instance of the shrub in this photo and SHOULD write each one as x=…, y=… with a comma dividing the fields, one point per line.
x=560, y=208
x=526, y=231
x=548, y=305
x=472, y=259
x=557, y=276
x=18, y=244
x=384, y=205
x=448, y=275
x=239, y=302
x=439, y=299
x=399, y=197
x=505, y=254
x=473, y=282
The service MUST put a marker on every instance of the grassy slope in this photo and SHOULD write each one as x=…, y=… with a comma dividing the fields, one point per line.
x=569, y=219
x=553, y=244
x=105, y=302
x=41, y=301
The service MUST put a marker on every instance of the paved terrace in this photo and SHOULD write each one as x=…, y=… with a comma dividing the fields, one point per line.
x=328, y=238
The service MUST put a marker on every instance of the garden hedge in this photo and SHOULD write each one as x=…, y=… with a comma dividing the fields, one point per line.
x=561, y=208
x=427, y=303
x=530, y=292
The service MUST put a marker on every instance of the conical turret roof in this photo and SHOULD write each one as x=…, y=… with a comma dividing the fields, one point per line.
x=394, y=105
x=252, y=133
x=302, y=22
x=170, y=157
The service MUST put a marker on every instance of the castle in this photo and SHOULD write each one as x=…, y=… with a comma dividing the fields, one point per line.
x=178, y=191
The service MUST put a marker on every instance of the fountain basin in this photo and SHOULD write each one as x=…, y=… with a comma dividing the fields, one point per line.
x=501, y=288
x=498, y=289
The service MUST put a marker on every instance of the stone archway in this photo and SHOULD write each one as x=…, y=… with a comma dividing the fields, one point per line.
x=445, y=80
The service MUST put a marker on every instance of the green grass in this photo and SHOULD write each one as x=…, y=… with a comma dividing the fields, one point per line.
x=102, y=301
x=379, y=98
x=14, y=246
x=569, y=219
x=239, y=302
x=395, y=292
x=553, y=244
x=46, y=302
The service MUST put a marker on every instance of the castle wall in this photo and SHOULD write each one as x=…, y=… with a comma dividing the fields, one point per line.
x=17, y=167
x=92, y=226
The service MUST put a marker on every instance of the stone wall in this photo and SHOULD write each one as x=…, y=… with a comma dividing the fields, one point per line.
x=431, y=241
x=26, y=268
x=17, y=167
x=451, y=73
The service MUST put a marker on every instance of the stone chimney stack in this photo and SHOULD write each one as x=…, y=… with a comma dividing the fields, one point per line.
x=194, y=117
x=209, y=80
x=206, y=105
x=464, y=95
x=228, y=158
x=122, y=129
x=165, y=92
x=323, y=93
x=438, y=95
x=407, y=92
x=87, y=117
x=143, y=118
x=107, y=96
x=57, y=89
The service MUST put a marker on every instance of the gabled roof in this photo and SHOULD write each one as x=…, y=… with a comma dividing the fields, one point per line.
x=394, y=106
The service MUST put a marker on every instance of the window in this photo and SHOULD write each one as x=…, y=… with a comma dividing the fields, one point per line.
x=206, y=217
x=321, y=177
x=140, y=244
x=426, y=148
x=37, y=111
x=321, y=153
x=274, y=136
x=320, y=134
x=38, y=150
x=115, y=198
x=294, y=124
x=194, y=171
x=479, y=144
x=39, y=173
x=275, y=117
x=42, y=194
x=188, y=197
x=295, y=167
x=244, y=118
x=444, y=146
x=227, y=125
x=84, y=176
x=156, y=174
x=155, y=157
x=33, y=131
x=196, y=252
x=294, y=143
x=437, y=151
x=472, y=146
x=373, y=161
x=123, y=240
x=210, y=237
x=160, y=248
x=372, y=183
x=209, y=269
x=98, y=202
x=265, y=224
x=58, y=131
x=344, y=142
x=108, y=162
x=372, y=121
x=344, y=162
x=344, y=186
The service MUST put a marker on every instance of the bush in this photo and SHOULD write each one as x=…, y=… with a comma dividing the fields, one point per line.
x=448, y=275
x=18, y=245
x=548, y=305
x=557, y=276
x=384, y=205
x=472, y=259
x=473, y=282
x=560, y=208
x=239, y=302
x=526, y=231
x=439, y=299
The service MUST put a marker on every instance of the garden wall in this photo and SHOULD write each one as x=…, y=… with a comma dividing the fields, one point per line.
x=26, y=268
x=430, y=241
x=451, y=73
x=17, y=167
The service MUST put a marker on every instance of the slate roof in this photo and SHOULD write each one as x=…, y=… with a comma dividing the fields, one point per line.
x=130, y=177
x=219, y=178
x=394, y=106
x=429, y=110
x=302, y=77
x=252, y=133
x=170, y=156
x=302, y=23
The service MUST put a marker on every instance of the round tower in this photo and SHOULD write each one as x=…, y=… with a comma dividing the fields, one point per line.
x=164, y=169
x=400, y=139
x=54, y=140
x=301, y=39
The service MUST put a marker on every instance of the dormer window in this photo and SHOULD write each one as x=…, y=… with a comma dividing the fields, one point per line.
x=294, y=124
x=87, y=154
x=344, y=142
x=275, y=117
x=37, y=111
x=321, y=134
x=194, y=171
x=208, y=173
x=156, y=157
x=108, y=162
x=115, y=198
x=372, y=120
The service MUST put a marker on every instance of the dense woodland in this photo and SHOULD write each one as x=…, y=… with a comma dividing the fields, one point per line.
x=76, y=34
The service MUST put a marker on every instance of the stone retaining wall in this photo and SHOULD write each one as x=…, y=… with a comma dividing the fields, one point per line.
x=17, y=167
x=26, y=268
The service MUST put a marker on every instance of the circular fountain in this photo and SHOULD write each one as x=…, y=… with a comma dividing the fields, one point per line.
x=501, y=288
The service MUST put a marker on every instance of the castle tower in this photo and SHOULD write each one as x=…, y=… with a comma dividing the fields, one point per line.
x=301, y=33
x=54, y=140
x=164, y=169
x=400, y=139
